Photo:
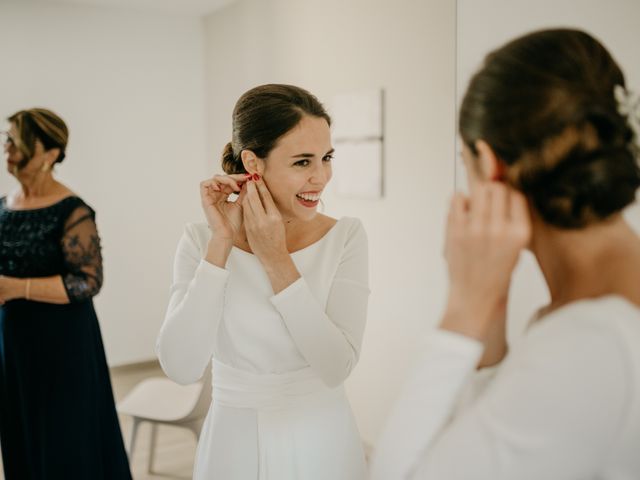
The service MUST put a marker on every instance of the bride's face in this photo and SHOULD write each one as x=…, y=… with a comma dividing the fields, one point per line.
x=298, y=168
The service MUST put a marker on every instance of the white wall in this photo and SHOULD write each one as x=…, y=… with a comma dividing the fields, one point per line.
x=131, y=88
x=486, y=25
x=407, y=48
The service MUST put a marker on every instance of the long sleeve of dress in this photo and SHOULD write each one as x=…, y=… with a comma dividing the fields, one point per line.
x=186, y=340
x=82, y=255
x=551, y=411
x=329, y=337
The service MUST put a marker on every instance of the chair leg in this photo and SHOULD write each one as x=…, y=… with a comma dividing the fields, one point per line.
x=152, y=447
x=132, y=439
x=196, y=428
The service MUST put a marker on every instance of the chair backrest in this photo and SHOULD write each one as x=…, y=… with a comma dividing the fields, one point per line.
x=201, y=406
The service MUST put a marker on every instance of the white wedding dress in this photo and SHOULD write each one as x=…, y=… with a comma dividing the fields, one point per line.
x=279, y=410
x=563, y=405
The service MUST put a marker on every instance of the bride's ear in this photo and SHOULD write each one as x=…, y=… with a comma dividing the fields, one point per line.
x=252, y=164
x=489, y=165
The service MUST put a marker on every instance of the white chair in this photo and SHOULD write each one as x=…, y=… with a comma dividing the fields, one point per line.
x=158, y=400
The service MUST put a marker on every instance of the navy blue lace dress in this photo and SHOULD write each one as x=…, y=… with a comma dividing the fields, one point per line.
x=57, y=413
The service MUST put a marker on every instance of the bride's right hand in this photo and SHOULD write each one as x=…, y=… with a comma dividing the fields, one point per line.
x=224, y=217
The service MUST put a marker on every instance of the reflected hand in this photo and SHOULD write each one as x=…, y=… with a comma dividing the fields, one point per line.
x=223, y=216
x=263, y=223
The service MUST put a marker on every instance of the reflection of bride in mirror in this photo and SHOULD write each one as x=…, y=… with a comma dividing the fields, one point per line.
x=57, y=414
x=277, y=294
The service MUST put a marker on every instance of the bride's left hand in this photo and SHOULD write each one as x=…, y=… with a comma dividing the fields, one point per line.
x=263, y=223
x=485, y=235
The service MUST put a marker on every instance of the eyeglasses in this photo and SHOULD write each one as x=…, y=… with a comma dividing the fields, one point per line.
x=6, y=138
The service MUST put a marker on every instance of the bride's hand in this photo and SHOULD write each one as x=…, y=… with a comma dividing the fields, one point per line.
x=223, y=216
x=485, y=235
x=263, y=223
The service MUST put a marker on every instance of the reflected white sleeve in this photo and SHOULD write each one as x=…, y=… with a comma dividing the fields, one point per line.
x=552, y=411
x=186, y=340
x=331, y=340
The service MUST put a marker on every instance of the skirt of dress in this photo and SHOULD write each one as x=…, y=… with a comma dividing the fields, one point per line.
x=57, y=413
x=311, y=435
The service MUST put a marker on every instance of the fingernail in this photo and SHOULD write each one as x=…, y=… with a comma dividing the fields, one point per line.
x=256, y=177
x=248, y=175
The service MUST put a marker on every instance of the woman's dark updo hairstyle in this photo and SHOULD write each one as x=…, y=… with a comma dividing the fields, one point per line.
x=545, y=103
x=263, y=115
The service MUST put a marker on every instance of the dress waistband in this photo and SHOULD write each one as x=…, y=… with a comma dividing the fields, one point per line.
x=271, y=391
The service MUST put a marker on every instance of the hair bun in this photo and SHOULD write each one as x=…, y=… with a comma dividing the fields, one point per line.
x=230, y=163
x=586, y=187
x=548, y=105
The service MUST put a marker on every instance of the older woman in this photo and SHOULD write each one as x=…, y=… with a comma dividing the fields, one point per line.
x=57, y=414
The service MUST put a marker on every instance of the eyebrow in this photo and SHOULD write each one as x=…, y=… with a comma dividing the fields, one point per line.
x=311, y=155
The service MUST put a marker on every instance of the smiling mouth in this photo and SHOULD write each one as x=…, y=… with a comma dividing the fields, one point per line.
x=308, y=199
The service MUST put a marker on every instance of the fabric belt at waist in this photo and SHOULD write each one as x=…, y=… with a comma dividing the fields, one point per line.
x=271, y=391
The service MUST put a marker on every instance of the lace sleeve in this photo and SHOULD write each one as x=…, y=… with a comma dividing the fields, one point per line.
x=82, y=255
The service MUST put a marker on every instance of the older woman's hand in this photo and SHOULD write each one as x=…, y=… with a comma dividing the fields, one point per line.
x=11, y=288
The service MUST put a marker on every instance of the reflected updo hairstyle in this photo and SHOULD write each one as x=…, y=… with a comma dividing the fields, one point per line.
x=263, y=115
x=39, y=124
x=545, y=103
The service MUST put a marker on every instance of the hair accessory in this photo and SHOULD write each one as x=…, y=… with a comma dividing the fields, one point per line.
x=629, y=106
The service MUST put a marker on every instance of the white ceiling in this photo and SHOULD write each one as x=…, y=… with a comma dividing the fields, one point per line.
x=181, y=7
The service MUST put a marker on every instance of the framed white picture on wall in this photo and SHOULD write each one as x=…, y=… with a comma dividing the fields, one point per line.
x=358, y=141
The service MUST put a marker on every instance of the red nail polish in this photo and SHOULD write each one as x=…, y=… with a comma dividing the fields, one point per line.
x=248, y=175
x=256, y=177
